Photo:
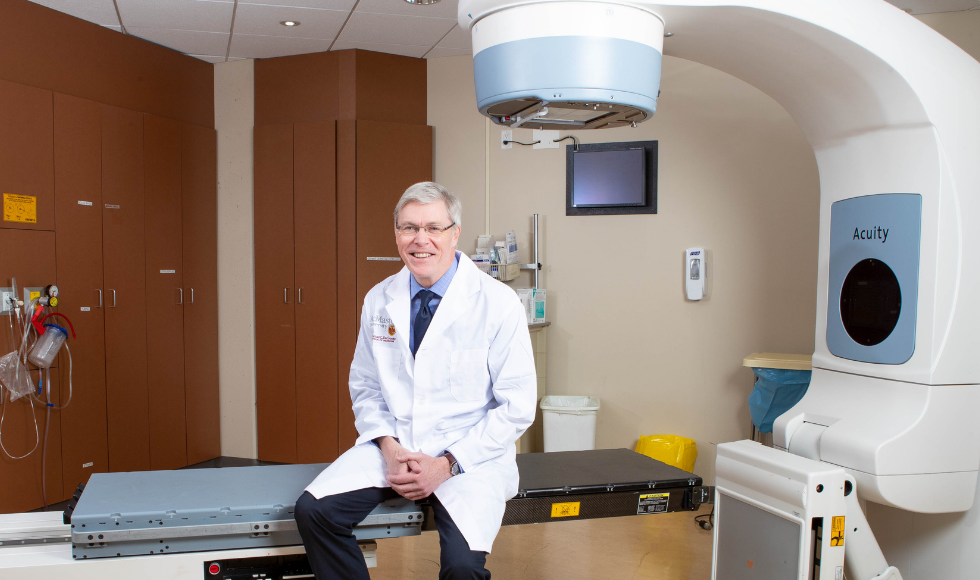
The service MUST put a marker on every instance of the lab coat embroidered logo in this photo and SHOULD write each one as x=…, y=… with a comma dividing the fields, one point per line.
x=391, y=330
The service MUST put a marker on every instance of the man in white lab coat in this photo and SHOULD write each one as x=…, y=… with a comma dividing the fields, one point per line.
x=442, y=384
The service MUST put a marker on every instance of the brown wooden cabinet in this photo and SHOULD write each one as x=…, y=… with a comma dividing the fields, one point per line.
x=315, y=259
x=296, y=292
x=199, y=179
x=78, y=221
x=164, y=292
x=136, y=247
x=332, y=158
x=132, y=236
x=123, y=259
x=324, y=193
x=51, y=149
x=275, y=336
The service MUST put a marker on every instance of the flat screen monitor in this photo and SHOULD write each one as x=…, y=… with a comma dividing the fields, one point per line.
x=609, y=178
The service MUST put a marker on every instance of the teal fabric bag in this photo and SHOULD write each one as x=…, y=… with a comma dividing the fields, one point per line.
x=775, y=392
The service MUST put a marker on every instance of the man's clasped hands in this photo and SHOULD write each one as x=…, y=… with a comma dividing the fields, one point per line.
x=413, y=475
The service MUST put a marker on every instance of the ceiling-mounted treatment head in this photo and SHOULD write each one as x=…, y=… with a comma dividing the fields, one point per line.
x=567, y=65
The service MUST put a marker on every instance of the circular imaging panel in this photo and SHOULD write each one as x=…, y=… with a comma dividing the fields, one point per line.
x=870, y=302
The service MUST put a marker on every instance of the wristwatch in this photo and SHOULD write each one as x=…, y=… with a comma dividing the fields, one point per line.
x=453, y=464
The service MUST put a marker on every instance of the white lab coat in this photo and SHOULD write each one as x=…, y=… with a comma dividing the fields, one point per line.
x=471, y=389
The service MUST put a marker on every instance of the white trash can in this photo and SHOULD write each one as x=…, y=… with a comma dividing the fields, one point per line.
x=569, y=422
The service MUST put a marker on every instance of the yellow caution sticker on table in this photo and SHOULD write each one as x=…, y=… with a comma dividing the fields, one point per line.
x=652, y=503
x=19, y=208
x=837, y=531
x=564, y=510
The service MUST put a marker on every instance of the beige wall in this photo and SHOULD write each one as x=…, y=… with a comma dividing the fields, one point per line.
x=963, y=28
x=233, y=114
x=736, y=177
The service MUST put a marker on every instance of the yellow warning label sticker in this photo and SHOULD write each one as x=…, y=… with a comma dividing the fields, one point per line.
x=564, y=510
x=837, y=531
x=19, y=208
x=652, y=503
x=35, y=294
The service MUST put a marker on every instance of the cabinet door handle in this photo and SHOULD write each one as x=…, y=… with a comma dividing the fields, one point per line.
x=113, y=298
x=285, y=295
x=181, y=296
x=192, y=296
x=99, y=290
x=299, y=296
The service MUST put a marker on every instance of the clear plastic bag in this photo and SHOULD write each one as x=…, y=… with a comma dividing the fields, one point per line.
x=15, y=376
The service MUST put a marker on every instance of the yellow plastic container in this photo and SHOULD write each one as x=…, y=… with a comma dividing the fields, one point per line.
x=671, y=449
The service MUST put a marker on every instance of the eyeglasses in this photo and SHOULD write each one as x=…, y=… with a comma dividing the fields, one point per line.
x=410, y=230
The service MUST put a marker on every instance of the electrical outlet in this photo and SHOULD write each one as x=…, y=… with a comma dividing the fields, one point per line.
x=6, y=294
x=506, y=135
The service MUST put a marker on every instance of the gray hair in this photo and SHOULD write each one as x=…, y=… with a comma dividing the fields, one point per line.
x=427, y=192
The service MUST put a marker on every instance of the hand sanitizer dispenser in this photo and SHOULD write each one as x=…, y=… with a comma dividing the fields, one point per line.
x=695, y=273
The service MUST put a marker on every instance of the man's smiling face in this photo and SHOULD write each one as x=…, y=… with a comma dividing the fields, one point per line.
x=428, y=256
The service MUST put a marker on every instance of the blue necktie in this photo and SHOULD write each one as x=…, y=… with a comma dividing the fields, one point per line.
x=422, y=319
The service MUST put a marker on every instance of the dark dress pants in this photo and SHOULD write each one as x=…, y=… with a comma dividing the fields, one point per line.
x=326, y=526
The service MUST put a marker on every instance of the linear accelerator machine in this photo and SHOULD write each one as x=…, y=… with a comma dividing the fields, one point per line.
x=889, y=107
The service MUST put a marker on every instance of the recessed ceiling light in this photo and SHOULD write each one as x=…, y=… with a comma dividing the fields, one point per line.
x=289, y=23
x=668, y=34
x=422, y=2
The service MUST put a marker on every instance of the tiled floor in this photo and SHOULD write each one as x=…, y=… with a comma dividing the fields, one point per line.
x=661, y=547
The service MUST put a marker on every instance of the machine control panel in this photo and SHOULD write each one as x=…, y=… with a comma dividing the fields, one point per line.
x=874, y=277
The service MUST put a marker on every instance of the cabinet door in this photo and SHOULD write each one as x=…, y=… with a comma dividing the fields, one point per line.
x=26, y=156
x=164, y=292
x=199, y=178
x=30, y=257
x=348, y=308
x=389, y=158
x=123, y=259
x=315, y=221
x=275, y=339
x=78, y=217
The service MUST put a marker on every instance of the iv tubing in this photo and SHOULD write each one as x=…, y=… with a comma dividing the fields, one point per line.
x=47, y=429
x=70, y=325
x=37, y=437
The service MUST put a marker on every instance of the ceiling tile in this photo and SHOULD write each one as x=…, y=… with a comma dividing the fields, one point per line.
x=264, y=20
x=97, y=11
x=254, y=46
x=438, y=52
x=932, y=6
x=186, y=41
x=116, y=28
x=199, y=15
x=402, y=49
x=322, y=4
x=211, y=59
x=444, y=9
x=390, y=29
x=457, y=38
